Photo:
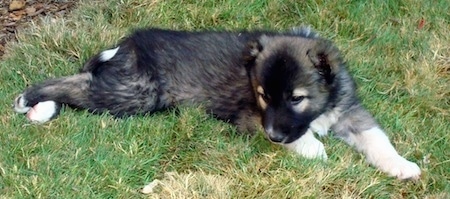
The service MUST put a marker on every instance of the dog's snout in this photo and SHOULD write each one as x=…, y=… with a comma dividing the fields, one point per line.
x=275, y=136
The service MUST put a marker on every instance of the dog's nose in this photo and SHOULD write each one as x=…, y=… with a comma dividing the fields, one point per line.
x=274, y=136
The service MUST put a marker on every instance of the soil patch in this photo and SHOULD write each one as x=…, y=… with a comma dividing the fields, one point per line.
x=17, y=14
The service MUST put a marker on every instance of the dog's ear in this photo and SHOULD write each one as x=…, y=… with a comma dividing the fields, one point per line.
x=251, y=51
x=254, y=47
x=326, y=59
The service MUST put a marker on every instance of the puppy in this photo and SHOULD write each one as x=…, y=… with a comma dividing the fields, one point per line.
x=293, y=84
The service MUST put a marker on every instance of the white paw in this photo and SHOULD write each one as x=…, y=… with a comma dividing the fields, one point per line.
x=308, y=146
x=319, y=128
x=400, y=168
x=42, y=112
x=19, y=104
x=380, y=153
x=323, y=123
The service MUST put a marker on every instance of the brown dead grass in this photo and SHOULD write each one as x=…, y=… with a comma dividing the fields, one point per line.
x=193, y=185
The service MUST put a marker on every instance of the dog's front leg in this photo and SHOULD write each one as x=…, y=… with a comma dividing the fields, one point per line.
x=380, y=153
x=308, y=146
x=360, y=130
x=248, y=121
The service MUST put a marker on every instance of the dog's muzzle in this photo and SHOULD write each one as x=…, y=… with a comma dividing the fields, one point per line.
x=280, y=137
x=275, y=136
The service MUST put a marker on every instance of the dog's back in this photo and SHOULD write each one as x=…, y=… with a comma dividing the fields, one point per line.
x=154, y=69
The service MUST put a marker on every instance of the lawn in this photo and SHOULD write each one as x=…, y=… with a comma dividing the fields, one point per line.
x=398, y=52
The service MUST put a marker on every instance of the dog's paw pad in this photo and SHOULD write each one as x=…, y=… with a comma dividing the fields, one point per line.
x=309, y=147
x=43, y=112
x=20, y=104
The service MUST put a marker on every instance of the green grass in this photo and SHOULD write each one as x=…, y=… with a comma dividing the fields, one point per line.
x=403, y=74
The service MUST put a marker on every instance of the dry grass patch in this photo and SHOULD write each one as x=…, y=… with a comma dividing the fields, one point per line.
x=193, y=185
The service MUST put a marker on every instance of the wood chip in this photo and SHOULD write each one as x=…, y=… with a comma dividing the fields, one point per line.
x=16, y=16
x=36, y=13
x=10, y=24
x=30, y=10
x=16, y=5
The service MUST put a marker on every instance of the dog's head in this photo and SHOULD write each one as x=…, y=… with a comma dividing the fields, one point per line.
x=293, y=78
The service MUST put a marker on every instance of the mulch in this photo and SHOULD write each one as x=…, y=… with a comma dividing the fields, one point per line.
x=17, y=14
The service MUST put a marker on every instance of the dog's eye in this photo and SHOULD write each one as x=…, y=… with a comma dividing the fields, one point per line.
x=297, y=99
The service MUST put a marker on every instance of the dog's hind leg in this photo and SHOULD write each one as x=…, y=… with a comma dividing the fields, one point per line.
x=42, y=102
x=359, y=129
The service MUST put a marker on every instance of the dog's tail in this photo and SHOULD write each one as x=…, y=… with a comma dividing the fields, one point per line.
x=97, y=61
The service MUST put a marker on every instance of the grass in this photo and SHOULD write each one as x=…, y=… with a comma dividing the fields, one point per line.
x=402, y=70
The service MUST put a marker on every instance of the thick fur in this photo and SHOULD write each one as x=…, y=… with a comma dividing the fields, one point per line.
x=292, y=83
